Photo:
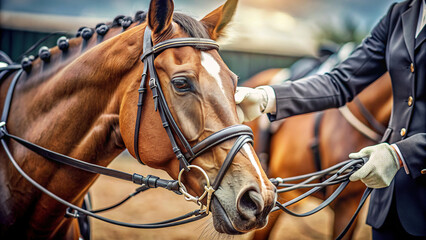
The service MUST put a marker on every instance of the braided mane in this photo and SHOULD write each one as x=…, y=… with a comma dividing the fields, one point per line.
x=48, y=61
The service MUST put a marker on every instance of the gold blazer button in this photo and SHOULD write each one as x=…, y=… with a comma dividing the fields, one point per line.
x=410, y=101
x=403, y=131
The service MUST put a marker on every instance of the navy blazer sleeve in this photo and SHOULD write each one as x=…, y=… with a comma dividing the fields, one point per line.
x=365, y=65
x=413, y=149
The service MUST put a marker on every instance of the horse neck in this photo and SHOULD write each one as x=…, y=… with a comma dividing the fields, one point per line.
x=377, y=99
x=73, y=112
x=78, y=94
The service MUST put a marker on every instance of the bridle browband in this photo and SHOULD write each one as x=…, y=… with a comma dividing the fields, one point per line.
x=243, y=134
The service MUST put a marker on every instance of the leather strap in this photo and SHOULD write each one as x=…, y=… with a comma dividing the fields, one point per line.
x=364, y=197
x=340, y=177
x=324, y=204
x=358, y=125
x=350, y=165
x=9, y=96
x=57, y=157
x=369, y=117
x=189, y=217
x=11, y=67
x=315, y=145
x=200, y=43
x=228, y=160
x=141, y=90
x=220, y=137
x=168, y=123
x=5, y=58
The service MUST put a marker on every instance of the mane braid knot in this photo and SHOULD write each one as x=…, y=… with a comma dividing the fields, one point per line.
x=78, y=34
x=63, y=43
x=87, y=33
x=126, y=22
x=102, y=29
x=44, y=54
x=27, y=62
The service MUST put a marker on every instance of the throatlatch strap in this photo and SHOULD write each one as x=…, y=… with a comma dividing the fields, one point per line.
x=9, y=96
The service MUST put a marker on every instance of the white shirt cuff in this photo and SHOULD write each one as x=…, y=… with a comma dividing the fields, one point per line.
x=407, y=171
x=271, y=104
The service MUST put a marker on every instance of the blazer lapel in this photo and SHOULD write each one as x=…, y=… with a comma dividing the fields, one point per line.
x=409, y=25
x=421, y=38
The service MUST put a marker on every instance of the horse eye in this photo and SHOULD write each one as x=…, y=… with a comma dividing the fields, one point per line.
x=181, y=84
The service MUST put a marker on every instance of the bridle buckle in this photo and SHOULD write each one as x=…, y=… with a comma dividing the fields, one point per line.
x=152, y=83
x=72, y=213
x=2, y=129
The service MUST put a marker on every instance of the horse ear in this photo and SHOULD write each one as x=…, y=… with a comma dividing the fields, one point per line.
x=217, y=20
x=160, y=15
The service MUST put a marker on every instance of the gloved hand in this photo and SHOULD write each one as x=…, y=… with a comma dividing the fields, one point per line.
x=253, y=102
x=381, y=167
x=3, y=64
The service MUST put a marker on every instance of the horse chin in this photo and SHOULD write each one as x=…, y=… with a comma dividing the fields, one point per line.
x=221, y=221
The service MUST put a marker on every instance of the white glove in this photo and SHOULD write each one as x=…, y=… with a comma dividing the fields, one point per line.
x=253, y=102
x=381, y=167
x=3, y=64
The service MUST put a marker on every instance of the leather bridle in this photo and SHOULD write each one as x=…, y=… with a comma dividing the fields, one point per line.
x=162, y=107
x=243, y=134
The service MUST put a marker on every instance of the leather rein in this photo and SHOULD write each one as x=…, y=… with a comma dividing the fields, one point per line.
x=243, y=134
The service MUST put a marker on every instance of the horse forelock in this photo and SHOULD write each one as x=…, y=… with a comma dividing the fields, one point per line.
x=191, y=26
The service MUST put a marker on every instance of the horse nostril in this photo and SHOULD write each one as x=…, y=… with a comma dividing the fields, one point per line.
x=250, y=203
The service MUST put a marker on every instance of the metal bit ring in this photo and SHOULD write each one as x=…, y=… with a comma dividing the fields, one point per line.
x=208, y=190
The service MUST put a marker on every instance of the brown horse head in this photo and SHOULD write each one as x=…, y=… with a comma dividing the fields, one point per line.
x=83, y=103
x=199, y=90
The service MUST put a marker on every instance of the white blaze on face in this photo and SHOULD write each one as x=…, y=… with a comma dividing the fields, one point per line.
x=212, y=67
x=250, y=155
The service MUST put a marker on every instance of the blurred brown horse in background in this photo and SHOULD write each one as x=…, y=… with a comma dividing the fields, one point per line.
x=81, y=101
x=290, y=150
